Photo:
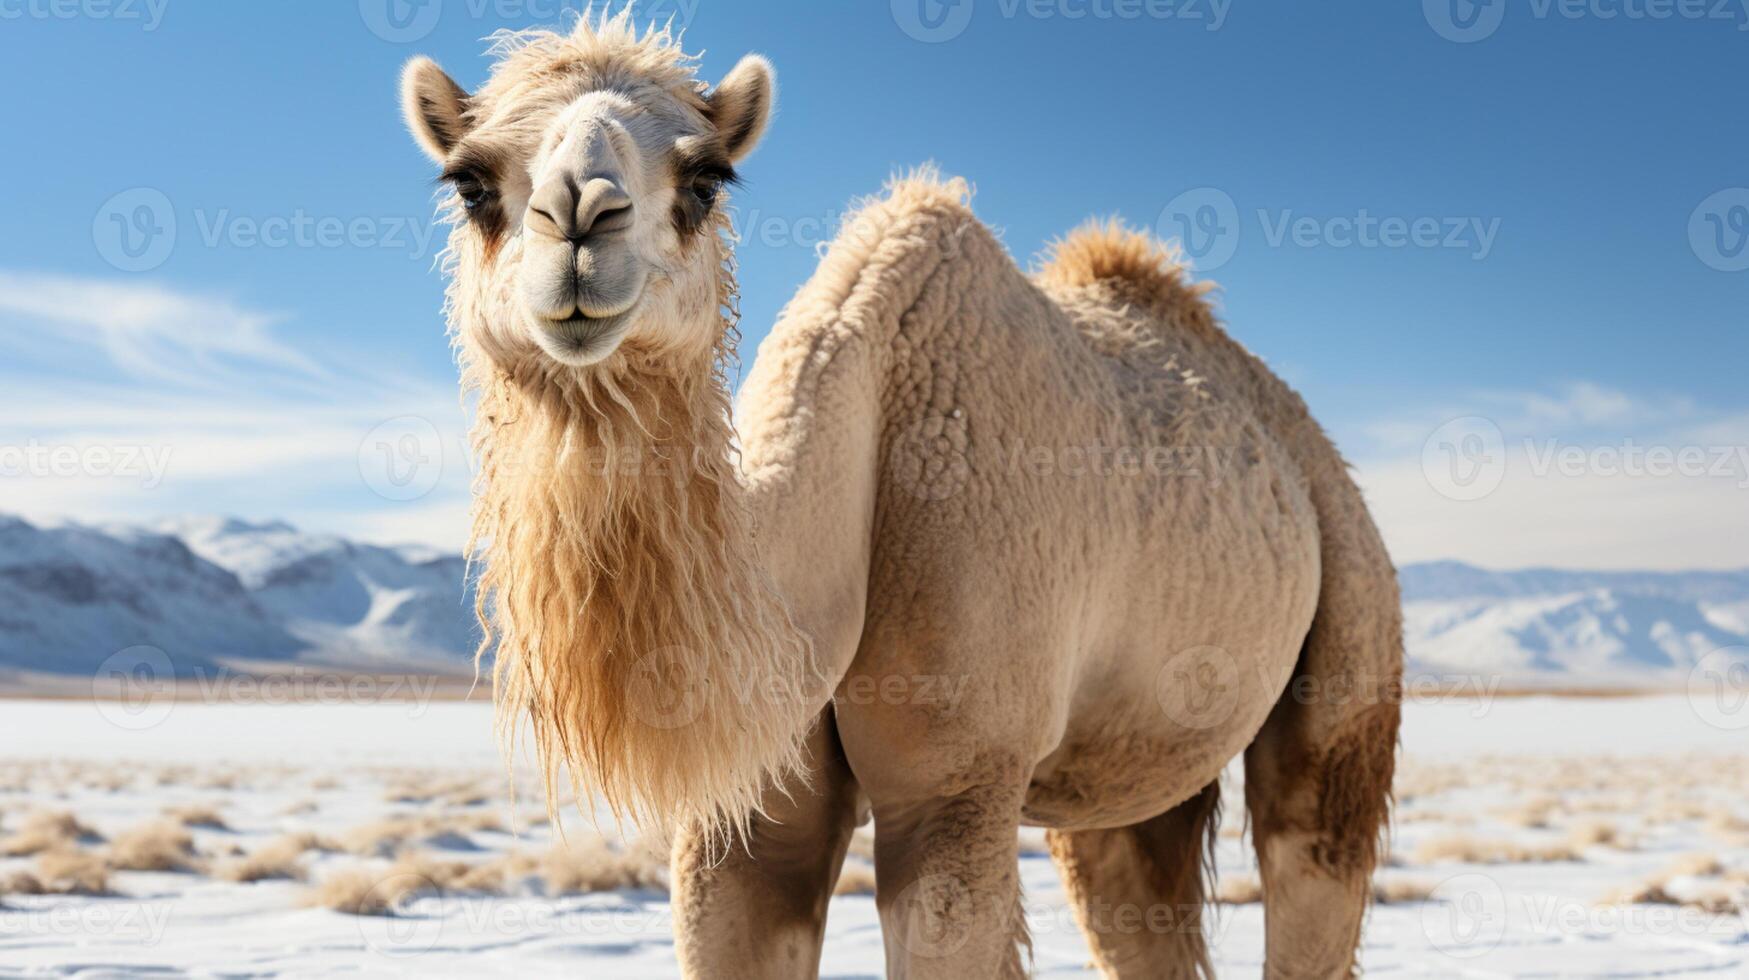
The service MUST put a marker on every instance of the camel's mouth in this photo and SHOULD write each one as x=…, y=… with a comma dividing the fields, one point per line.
x=581, y=340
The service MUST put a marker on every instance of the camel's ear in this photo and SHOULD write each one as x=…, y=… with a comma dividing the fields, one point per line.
x=741, y=105
x=434, y=105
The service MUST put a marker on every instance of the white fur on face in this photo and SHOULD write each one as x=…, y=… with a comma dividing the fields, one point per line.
x=578, y=299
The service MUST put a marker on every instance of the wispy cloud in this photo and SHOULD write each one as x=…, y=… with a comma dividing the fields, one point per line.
x=230, y=417
x=1579, y=474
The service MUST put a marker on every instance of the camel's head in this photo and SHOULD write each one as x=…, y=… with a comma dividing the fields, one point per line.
x=587, y=175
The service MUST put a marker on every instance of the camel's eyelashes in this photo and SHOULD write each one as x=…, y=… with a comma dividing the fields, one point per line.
x=707, y=193
x=473, y=194
x=470, y=188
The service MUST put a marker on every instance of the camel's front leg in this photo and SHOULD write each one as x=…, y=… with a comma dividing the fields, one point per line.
x=759, y=912
x=948, y=885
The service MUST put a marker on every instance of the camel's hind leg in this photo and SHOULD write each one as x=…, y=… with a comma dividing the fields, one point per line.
x=1138, y=890
x=1318, y=776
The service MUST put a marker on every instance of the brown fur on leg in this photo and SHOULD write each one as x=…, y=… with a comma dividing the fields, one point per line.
x=1354, y=800
x=1139, y=891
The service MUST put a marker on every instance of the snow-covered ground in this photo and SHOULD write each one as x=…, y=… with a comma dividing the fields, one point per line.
x=1576, y=798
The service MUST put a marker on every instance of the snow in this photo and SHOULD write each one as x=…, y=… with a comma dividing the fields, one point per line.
x=274, y=767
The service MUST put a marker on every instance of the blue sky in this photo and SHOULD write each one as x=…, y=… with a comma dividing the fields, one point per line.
x=1526, y=214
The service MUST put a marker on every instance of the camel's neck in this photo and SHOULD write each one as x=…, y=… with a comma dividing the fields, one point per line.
x=635, y=621
x=809, y=420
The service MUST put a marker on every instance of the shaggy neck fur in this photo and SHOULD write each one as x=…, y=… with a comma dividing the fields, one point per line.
x=633, y=623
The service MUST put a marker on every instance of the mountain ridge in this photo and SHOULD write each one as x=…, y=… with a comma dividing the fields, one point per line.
x=212, y=589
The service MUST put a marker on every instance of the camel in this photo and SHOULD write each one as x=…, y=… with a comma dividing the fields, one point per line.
x=978, y=549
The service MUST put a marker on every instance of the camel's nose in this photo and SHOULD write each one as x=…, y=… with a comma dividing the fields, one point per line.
x=562, y=209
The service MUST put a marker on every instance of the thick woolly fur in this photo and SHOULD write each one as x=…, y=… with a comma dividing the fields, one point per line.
x=994, y=547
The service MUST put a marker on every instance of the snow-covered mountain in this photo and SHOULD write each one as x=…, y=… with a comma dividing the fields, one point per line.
x=213, y=590
x=343, y=598
x=1572, y=628
x=209, y=591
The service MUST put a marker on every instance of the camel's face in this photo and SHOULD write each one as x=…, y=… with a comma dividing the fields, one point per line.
x=590, y=200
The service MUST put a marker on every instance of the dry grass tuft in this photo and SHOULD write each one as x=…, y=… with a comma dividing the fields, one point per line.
x=68, y=872
x=1597, y=833
x=1693, y=866
x=161, y=845
x=385, y=838
x=1534, y=814
x=587, y=866
x=862, y=845
x=1480, y=850
x=47, y=830
x=855, y=879
x=1239, y=890
x=204, y=817
x=280, y=858
x=363, y=891
x=1401, y=891
x=21, y=883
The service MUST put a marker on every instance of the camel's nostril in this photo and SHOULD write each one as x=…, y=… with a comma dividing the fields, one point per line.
x=561, y=209
x=614, y=219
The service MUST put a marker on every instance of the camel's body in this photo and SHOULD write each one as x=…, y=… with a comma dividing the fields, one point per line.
x=1014, y=551
x=1061, y=647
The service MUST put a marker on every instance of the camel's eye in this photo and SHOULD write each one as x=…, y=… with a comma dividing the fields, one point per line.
x=468, y=186
x=473, y=193
x=706, y=191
